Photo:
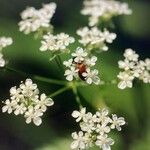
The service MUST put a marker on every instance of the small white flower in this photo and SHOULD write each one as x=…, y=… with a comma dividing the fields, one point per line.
x=131, y=55
x=117, y=122
x=9, y=106
x=79, y=114
x=5, y=41
x=107, y=36
x=68, y=63
x=126, y=80
x=79, y=55
x=43, y=103
x=102, y=129
x=91, y=76
x=29, y=88
x=126, y=64
x=20, y=109
x=80, y=141
x=71, y=73
x=2, y=61
x=33, y=115
x=91, y=61
x=104, y=142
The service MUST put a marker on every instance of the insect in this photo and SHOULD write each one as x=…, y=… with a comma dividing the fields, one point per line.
x=82, y=69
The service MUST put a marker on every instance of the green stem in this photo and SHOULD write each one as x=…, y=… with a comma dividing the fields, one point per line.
x=59, y=92
x=75, y=91
x=17, y=71
x=53, y=81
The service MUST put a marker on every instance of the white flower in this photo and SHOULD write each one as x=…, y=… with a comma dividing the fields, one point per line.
x=33, y=115
x=79, y=55
x=131, y=55
x=5, y=41
x=56, y=43
x=107, y=36
x=68, y=63
x=117, y=122
x=91, y=61
x=80, y=141
x=33, y=19
x=133, y=68
x=43, y=103
x=104, y=9
x=91, y=76
x=94, y=38
x=126, y=80
x=9, y=105
x=26, y=101
x=20, y=109
x=95, y=129
x=102, y=129
x=79, y=114
x=104, y=142
x=126, y=64
x=29, y=89
x=2, y=61
x=71, y=73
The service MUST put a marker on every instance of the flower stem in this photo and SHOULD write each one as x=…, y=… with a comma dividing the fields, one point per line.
x=75, y=91
x=17, y=71
x=59, y=92
x=53, y=81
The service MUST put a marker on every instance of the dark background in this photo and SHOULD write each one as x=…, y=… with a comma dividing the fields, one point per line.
x=133, y=104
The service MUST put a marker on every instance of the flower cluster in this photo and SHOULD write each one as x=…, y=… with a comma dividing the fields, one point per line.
x=26, y=101
x=104, y=9
x=80, y=67
x=95, y=39
x=95, y=129
x=133, y=68
x=4, y=42
x=33, y=19
x=56, y=43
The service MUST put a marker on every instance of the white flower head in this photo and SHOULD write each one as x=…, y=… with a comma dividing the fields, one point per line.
x=94, y=38
x=26, y=101
x=104, y=9
x=56, y=43
x=33, y=19
x=95, y=129
x=79, y=66
x=133, y=68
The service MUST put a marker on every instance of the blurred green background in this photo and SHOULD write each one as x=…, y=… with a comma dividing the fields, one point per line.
x=54, y=134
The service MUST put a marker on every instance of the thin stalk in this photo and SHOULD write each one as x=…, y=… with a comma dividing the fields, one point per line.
x=75, y=91
x=48, y=80
x=17, y=71
x=59, y=92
